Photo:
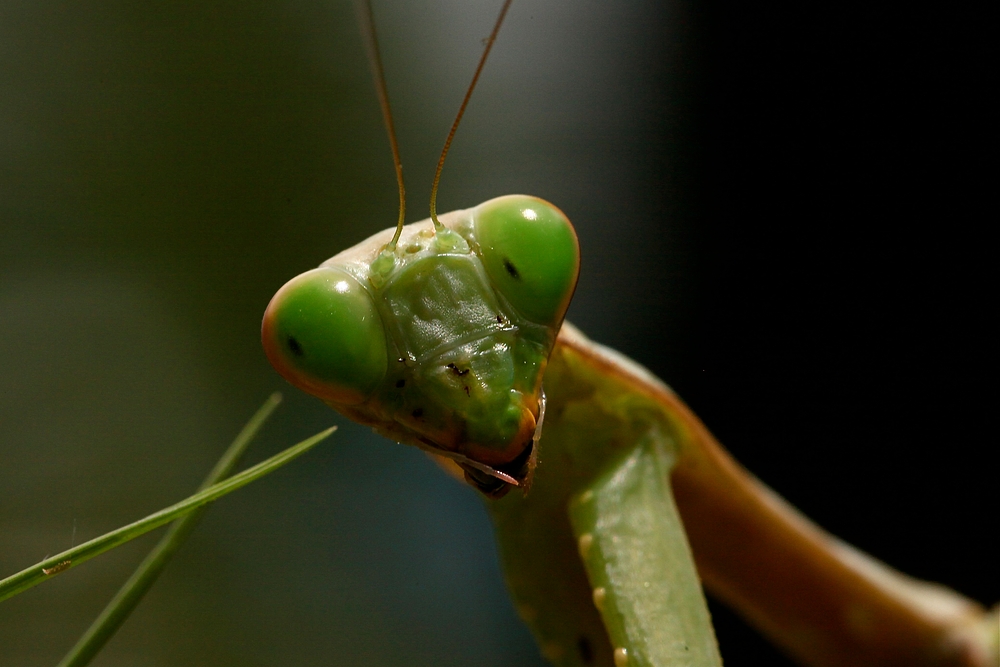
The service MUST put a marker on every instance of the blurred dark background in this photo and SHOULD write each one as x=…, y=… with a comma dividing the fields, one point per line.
x=782, y=210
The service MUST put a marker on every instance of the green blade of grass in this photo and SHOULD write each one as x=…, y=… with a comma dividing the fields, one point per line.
x=49, y=567
x=125, y=601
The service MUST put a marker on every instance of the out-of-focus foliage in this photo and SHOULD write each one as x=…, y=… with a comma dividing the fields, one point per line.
x=164, y=168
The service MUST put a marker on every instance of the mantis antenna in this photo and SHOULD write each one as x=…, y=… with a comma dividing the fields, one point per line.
x=461, y=110
x=367, y=22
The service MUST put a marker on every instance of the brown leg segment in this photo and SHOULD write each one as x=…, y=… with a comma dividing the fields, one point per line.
x=826, y=603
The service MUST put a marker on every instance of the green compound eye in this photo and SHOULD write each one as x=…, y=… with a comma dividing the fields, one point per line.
x=531, y=253
x=322, y=332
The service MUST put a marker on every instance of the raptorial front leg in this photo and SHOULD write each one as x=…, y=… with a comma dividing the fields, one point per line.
x=639, y=564
x=545, y=577
x=602, y=572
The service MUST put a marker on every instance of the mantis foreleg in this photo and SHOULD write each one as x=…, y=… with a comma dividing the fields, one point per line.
x=639, y=563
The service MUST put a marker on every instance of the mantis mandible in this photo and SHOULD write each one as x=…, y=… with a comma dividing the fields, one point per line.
x=448, y=335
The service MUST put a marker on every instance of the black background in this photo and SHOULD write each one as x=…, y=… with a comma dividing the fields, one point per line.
x=836, y=182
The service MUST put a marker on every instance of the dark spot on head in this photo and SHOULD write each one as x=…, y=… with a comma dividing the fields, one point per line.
x=511, y=269
x=400, y=384
x=294, y=346
x=467, y=389
x=585, y=649
x=418, y=413
x=456, y=371
x=500, y=319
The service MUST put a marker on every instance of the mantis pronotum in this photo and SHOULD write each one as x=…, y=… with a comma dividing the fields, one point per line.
x=438, y=336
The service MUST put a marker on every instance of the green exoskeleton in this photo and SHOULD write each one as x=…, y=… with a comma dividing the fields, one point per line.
x=442, y=341
x=611, y=501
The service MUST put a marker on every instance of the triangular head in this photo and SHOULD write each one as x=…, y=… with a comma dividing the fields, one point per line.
x=441, y=341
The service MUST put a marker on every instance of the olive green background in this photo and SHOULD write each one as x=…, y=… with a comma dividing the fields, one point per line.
x=782, y=210
x=165, y=168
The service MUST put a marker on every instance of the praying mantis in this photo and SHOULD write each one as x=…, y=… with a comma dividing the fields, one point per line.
x=437, y=335
x=604, y=310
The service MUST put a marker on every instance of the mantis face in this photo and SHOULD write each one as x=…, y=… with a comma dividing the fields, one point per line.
x=442, y=340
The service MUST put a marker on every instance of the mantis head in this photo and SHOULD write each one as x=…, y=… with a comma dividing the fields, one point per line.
x=440, y=339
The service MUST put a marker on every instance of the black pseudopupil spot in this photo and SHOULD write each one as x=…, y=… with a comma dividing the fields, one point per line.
x=511, y=269
x=294, y=346
x=586, y=650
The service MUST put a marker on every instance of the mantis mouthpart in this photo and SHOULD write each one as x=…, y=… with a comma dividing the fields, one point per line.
x=447, y=334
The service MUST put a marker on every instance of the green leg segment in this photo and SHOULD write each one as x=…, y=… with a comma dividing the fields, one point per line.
x=639, y=564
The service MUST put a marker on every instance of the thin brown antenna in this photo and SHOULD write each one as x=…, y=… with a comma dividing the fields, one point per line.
x=461, y=110
x=367, y=21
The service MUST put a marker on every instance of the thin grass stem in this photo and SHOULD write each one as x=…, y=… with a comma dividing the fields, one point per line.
x=125, y=601
x=70, y=558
